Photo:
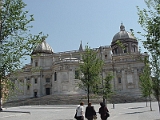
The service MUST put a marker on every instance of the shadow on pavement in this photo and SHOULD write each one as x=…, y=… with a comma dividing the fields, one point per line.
x=65, y=119
x=16, y=111
x=136, y=107
x=137, y=112
x=134, y=112
x=48, y=108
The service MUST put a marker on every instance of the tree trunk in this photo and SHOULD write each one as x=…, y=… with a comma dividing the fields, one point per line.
x=150, y=102
x=146, y=102
x=159, y=105
x=1, y=70
x=104, y=101
x=0, y=94
x=113, y=106
x=88, y=93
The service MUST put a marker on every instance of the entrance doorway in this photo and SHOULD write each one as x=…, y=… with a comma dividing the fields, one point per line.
x=35, y=94
x=47, y=91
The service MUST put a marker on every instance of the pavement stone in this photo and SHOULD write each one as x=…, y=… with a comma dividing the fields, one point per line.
x=126, y=111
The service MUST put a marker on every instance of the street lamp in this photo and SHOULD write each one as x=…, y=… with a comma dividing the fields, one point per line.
x=1, y=70
x=113, y=64
x=1, y=74
x=101, y=52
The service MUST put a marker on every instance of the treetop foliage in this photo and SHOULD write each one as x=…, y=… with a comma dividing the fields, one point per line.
x=16, y=38
x=149, y=19
x=90, y=68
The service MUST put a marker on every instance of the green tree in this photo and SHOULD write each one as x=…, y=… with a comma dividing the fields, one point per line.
x=146, y=82
x=90, y=68
x=149, y=19
x=16, y=40
x=108, y=91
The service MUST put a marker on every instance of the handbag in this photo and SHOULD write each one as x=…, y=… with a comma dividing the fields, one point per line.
x=107, y=114
x=82, y=117
x=75, y=116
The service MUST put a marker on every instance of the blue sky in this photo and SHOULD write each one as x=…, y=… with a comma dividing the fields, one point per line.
x=68, y=22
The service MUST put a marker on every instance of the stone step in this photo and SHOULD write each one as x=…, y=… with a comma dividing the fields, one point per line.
x=75, y=99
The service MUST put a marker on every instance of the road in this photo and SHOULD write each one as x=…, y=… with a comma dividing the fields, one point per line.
x=126, y=111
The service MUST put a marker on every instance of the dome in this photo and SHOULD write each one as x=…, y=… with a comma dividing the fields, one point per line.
x=122, y=34
x=43, y=48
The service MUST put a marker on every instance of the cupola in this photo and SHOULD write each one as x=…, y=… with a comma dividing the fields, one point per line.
x=43, y=47
x=128, y=43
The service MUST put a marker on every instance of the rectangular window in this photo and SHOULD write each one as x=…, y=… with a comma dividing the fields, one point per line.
x=28, y=87
x=105, y=56
x=77, y=74
x=36, y=64
x=55, y=76
x=47, y=80
x=35, y=81
x=130, y=78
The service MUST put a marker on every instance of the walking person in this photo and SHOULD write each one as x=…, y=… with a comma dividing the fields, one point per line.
x=80, y=112
x=90, y=112
x=103, y=111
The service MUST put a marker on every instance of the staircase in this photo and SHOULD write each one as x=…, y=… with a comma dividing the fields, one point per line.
x=128, y=97
x=61, y=99
x=75, y=99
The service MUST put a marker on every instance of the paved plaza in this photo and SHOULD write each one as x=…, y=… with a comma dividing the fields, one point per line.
x=127, y=111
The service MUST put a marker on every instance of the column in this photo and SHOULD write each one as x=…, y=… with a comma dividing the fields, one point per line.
x=25, y=87
x=136, y=79
x=39, y=86
x=123, y=80
x=31, y=87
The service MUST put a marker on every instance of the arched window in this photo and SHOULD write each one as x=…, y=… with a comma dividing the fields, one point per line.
x=134, y=48
x=125, y=49
x=119, y=80
x=116, y=50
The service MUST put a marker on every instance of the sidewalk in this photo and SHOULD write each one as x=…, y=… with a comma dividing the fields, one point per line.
x=127, y=111
x=134, y=111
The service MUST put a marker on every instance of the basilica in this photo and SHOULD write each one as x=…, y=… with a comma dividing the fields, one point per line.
x=51, y=73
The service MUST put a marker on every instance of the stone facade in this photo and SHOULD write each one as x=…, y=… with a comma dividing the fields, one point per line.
x=52, y=73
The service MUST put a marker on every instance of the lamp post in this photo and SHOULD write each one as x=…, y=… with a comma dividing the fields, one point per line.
x=113, y=79
x=101, y=52
x=1, y=76
x=1, y=68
